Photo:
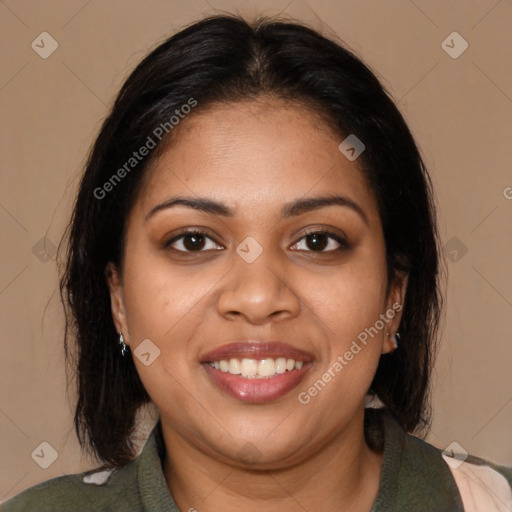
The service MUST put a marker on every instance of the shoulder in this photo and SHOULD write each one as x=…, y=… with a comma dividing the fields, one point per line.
x=92, y=491
x=483, y=485
x=136, y=486
x=424, y=481
x=420, y=476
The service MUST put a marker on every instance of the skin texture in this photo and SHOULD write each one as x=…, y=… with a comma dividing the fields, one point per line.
x=255, y=156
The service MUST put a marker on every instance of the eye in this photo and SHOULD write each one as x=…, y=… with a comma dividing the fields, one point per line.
x=319, y=241
x=192, y=240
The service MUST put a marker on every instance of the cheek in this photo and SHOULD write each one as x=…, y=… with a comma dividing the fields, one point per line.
x=164, y=308
x=352, y=298
x=351, y=309
x=350, y=304
x=167, y=306
x=161, y=300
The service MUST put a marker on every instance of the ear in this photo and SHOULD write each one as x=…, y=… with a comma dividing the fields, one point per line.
x=394, y=308
x=115, y=285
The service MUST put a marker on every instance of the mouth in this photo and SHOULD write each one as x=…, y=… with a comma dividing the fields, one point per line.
x=256, y=372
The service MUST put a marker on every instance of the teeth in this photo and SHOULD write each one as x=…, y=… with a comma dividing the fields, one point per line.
x=249, y=367
x=266, y=368
x=234, y=367
x=280, y=364
x=254, y=368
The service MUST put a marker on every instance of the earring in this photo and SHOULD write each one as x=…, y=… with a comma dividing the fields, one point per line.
x=122, y=344
x=394, y=340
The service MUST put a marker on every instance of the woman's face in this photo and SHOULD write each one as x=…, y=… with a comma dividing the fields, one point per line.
x=256, y=276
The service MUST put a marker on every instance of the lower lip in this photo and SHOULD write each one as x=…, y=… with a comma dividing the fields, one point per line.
x=257, y=391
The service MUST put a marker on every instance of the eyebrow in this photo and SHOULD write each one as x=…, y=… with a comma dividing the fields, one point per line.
x=291, y=209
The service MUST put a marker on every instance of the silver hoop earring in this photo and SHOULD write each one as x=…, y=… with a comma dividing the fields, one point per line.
x=394, y=339
x=122, y=344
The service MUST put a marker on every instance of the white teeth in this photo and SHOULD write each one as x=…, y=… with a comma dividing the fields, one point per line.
x=266, y=368
x=254, y=368
x=234, y=367
x=249, y=367
x=280, y=364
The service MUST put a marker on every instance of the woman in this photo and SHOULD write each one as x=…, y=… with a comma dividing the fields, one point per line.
x=254, y=250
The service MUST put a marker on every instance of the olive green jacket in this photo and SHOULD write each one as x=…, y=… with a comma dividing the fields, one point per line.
x=415, y=477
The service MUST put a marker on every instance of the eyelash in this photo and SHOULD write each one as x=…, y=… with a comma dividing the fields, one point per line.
x=330, y=234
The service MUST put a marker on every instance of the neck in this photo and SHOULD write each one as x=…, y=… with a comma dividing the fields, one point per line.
x=345, y=471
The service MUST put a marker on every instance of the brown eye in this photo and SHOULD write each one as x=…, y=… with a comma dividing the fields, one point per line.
x=319, y=241
x=191, y=241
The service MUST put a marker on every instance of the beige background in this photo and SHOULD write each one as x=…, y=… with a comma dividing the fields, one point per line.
x=460, y=111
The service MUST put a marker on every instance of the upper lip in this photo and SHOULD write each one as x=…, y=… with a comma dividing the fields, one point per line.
x=256, y=349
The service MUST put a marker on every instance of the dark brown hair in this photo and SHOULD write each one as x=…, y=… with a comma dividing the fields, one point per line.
x=226, y=59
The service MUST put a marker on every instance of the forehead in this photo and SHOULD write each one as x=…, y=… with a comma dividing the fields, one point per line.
x=254, y=155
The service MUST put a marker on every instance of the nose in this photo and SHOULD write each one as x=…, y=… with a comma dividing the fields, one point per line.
x=258, y=291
